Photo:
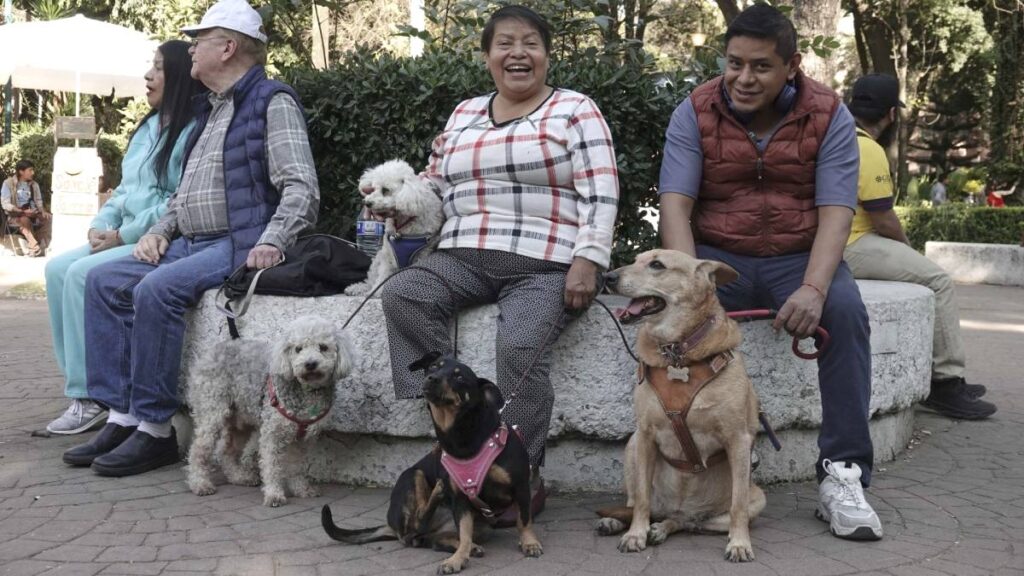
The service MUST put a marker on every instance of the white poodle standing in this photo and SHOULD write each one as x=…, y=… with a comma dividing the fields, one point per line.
x=284, y=391
x=412, y=213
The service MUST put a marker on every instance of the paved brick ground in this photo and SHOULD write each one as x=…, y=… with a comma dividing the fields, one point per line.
x=952, y=504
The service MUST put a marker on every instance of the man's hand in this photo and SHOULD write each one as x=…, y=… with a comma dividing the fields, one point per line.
x=801, y=312
x=151, y=248
x=263, y=256
x=580, y=284
x=106, y=240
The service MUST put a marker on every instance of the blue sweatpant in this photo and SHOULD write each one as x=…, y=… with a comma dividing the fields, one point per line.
x=844, y=369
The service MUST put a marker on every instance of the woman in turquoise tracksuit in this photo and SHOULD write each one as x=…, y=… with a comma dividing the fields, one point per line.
x=150, y=172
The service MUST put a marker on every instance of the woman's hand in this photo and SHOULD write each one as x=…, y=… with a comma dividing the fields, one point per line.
x=580, y=284
x=105, y=240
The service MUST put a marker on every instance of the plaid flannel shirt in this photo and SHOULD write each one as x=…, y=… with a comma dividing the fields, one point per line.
x=199, y=207
x=544, y=185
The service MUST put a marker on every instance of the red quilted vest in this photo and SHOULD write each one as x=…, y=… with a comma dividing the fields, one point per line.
x=760, y=205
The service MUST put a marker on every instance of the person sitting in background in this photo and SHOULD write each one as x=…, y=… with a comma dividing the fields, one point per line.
x=21, y=198
x=150, y=172
x=879, y=250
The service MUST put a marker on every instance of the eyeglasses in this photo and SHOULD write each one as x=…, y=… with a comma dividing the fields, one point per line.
x=195, y=41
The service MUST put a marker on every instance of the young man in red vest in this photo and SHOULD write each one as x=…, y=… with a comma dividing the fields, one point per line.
x=760, y=172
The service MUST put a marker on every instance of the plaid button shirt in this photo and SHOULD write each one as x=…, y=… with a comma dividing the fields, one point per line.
x=199, y=207
x=544, y=185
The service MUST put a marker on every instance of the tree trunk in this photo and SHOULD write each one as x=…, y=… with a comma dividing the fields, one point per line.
x=910, y=119
x=729, y=10
x=817, y=18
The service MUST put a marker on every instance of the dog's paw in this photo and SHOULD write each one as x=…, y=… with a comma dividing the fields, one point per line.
x=452, y=566
x=737, y=551
x=273, y=499
x=609, y=527
x=202, y=487
x=477, y=551
x=532, y=549
x=633, y=542
x=657, y=534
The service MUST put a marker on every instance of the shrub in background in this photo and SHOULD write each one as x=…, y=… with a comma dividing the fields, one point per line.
x=374, y=107
x=962, y=223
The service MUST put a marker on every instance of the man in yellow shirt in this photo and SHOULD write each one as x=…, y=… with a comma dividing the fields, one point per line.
x=879, y=250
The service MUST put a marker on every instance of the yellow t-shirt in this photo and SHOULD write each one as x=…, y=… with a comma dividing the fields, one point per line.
x=874, y=186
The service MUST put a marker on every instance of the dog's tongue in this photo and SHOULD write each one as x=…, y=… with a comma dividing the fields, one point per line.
x=635, y=308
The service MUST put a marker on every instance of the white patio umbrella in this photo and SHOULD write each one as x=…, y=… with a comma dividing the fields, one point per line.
x=75, y=54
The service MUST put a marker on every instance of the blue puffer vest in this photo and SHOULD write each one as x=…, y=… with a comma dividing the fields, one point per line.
x=251, y=199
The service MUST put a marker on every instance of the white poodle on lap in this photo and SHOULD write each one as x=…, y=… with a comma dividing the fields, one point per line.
x=413, y=216
x=283, y=392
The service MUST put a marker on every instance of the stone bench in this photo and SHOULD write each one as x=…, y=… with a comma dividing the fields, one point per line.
x=972, y=263
x=375, y=437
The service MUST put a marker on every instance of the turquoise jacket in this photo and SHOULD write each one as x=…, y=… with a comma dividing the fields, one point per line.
x=140, y=200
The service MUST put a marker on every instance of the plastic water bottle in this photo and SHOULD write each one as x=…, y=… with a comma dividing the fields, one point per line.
x=369, y=233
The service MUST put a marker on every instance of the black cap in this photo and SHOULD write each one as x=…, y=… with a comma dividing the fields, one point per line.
x=875, y=92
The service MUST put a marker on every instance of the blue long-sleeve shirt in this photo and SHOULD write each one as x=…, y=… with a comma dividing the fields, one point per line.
x=140, y=199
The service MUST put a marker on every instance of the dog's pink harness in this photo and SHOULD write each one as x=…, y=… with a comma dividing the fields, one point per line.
x=279, y=406
x=468, y=475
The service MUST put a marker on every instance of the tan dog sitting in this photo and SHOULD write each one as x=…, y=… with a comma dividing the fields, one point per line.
x=688, y=463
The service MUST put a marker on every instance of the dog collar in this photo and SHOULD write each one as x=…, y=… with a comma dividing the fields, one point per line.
x=676, y=351
x=283, y=411
x=468, y=474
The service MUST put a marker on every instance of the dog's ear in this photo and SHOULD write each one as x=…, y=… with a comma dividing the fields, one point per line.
x=719, y=273
x=491, y=393
x=280, y=358
x=346, y=355
x=424, y=362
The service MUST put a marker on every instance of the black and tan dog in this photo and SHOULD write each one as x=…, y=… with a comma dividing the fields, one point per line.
x=464, y=410
x=411, y=518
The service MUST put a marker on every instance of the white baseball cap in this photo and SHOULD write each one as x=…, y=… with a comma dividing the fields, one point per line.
x=235, y=15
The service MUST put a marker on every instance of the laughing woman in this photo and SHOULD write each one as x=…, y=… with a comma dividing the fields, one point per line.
x=528, y=180
x=150, y=172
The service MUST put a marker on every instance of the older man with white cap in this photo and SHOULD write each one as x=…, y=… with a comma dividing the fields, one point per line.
x=249, y=188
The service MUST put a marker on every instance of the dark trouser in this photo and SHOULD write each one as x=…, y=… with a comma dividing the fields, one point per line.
x=135, y=324
x=844, y=369
x=530, y=295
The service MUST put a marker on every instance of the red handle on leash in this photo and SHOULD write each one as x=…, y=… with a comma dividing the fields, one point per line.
x=821, y=338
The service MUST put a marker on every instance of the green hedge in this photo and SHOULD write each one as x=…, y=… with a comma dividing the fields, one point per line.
x=962, y=223
x=374, y=107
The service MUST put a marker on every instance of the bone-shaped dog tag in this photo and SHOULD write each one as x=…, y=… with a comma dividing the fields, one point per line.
x=682, y=374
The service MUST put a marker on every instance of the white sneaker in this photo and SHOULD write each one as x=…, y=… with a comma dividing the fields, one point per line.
x=841, y=503
x=81, y=416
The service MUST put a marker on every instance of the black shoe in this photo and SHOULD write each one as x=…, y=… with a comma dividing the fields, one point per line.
x=110, y=436
x=139, y=453
x=951, y=398
x=973, y=390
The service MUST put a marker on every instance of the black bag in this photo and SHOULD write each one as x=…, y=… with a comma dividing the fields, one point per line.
x=317, y=265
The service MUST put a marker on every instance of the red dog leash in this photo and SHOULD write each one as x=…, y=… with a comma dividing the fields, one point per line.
x=821, y=338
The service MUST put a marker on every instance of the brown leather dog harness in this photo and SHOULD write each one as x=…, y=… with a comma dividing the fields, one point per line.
x=677, y=385
x=279, y=406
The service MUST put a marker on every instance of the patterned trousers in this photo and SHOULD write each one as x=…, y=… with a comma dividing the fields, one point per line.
x=530, y=295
